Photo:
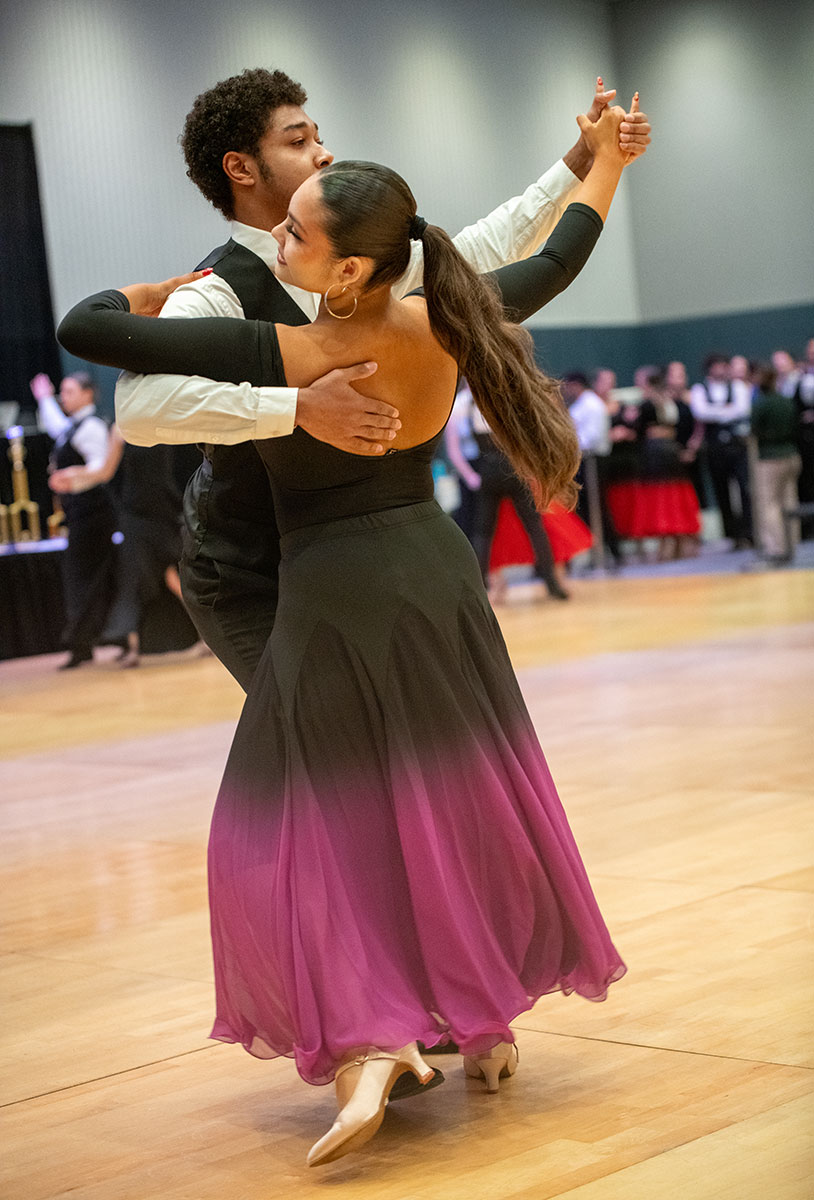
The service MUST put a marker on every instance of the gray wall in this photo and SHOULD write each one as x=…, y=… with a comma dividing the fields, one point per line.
x=724, y=207
x=469, y=102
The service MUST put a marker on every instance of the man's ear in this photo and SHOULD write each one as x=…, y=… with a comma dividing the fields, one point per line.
x=239, y=168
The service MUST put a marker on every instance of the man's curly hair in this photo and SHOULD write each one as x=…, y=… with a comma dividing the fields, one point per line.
x=232, y=115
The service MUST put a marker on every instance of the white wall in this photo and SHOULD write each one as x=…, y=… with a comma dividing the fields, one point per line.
x=724, y=204
x=470, y=101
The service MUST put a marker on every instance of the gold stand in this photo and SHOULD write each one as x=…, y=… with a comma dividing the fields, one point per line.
x=19, y=521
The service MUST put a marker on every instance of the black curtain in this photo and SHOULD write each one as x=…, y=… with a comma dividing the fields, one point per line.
x=27, y=340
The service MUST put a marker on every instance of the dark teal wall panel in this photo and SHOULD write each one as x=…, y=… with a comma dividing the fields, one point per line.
x=623, y=348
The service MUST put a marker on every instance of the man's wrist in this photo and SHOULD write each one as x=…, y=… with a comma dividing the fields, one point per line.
x=301, y=399
x=579, y=159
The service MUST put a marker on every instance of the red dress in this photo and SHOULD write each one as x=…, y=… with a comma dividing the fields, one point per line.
x=657, y=499
x=567, y=534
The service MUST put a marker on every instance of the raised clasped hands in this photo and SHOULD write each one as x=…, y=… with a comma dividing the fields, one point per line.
x=634, y=128
x=602, y=136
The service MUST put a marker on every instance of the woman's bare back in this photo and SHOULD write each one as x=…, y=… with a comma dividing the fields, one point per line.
x=414, y=373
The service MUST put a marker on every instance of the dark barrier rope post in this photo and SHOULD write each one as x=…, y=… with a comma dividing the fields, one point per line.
x=590, y=474
x=758, y=539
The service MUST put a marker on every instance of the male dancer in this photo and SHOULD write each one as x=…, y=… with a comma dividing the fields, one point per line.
x=248, y=145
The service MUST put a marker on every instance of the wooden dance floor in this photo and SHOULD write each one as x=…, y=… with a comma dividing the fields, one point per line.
x=677, y=718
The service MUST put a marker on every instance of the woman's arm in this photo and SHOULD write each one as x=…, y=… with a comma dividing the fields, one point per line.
x=527, y=286
x=102, y=329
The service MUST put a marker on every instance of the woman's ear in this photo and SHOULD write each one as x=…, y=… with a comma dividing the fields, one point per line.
x=355, y=270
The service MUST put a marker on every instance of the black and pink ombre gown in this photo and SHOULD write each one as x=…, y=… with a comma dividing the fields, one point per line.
x=389, y=860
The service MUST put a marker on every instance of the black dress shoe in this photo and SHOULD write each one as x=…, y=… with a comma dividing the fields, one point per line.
x=446, y=1048
x=76, y=660
x=407, y=1085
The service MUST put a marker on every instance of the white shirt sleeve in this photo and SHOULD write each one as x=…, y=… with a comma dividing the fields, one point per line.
x=91, y=440
x=51, y=417
x=700, y=404
x=512, y=232
x=176, y=409
x=591, y=422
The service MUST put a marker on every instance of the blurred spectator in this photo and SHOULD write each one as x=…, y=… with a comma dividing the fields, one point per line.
x=804, y=396
x=741, y=368
x=667, y=506
x=689, y=432
x=774, y=426
x=462, y=450
x=80, y=440
x=604, y=384
x=787, y=374
x=149, y=520
x=723, y=406
x=498, y=482
x=592, y=422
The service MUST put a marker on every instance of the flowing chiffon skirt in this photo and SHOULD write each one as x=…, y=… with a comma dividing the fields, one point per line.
x=389, y=859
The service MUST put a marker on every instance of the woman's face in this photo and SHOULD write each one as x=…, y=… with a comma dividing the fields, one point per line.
x=305, y=256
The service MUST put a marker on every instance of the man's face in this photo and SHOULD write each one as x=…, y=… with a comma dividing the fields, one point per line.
x=605, y=382
x=289, y=153
x=676, y=375
x=719, y=371
x=782, y=362
x=72, y=397
x=739, y=368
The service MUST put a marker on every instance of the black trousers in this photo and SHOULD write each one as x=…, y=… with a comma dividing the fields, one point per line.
x=87, y=578
x=728, y=464
x=232, y=609
x=805, y=484
x=609, y=534
x=499, y=482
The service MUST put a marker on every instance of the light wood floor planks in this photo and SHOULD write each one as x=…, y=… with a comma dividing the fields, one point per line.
x=677, y=719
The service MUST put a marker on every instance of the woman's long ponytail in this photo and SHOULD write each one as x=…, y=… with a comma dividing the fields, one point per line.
x=371, y=211
x=522, y=406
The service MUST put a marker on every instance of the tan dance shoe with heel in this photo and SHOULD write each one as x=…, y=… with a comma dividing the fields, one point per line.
x=499, y=1063
x=362, y=1091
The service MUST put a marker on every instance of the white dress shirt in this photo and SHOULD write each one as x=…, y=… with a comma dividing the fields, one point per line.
x=90, y=439
x=708, y=403
x=592, y=423
x=180, y=408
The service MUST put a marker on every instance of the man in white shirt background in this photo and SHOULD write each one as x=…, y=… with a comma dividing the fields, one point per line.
x=80, y=439
x=723, y=406
x=592, y=422
x=248, y=144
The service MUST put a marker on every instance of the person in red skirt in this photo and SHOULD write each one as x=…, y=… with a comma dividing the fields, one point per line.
x=659, y=501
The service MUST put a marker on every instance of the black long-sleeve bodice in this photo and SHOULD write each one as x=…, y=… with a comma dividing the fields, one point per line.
x=312, y=481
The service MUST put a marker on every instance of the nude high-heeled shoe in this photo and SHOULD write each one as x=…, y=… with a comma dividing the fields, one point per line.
x=362, y=1090
x=498, y=1063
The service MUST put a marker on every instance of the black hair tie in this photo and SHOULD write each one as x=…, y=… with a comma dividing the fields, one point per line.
x=417, y=227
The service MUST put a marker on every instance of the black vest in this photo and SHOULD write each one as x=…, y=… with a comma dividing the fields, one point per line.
x=64, y=454
x=719, y=433
x=228, y=508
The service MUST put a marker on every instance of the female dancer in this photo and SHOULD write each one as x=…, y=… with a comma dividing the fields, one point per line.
x=389, y=861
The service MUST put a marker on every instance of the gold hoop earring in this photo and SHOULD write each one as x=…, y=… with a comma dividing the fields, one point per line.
x=339, y=316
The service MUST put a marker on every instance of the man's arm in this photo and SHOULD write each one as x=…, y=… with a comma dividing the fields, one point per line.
x=179, y=409
x=52, y=418
x=518, y=228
